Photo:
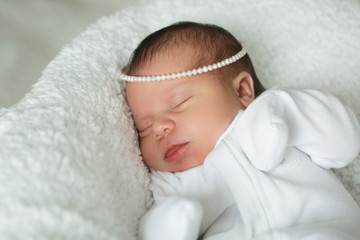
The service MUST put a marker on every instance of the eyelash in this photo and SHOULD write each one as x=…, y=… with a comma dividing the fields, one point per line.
x=178, y=105
x=141, y=132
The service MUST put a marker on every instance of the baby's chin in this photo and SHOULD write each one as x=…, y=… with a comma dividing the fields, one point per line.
x=185, y=165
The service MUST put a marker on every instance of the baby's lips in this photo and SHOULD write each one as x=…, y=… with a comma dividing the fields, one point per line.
x=174, y=152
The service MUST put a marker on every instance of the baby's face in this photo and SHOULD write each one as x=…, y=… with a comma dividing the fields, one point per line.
x=180, y=120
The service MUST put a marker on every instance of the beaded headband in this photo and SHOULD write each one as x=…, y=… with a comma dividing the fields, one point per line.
x=188, y=73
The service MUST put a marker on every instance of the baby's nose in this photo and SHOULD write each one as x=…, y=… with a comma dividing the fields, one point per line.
x=163, y=127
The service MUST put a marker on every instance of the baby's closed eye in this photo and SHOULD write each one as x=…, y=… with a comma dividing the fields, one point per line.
x=144, y=128
x=145, y=132
x=179, y=104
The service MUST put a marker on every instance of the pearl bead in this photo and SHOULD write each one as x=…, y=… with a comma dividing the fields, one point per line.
x=188, y=73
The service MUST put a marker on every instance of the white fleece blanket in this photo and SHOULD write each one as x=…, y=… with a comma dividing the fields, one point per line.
x=70, y=167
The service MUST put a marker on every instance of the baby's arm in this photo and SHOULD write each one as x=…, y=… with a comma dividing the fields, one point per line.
x=172, y=216
x=314, y=122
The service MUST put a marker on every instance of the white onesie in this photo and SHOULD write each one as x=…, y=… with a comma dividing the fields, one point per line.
x=267, y=177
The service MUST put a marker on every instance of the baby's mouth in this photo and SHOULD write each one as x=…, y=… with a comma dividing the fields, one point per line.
x=175, y=152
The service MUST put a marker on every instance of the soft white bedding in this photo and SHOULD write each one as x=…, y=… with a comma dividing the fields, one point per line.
x=69, y=163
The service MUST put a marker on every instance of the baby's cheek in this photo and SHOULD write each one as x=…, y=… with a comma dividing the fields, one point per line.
x=207, y=132
x=148, y=153
x=199, y=156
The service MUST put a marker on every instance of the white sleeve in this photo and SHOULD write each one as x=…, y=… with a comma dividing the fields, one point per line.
x=164, y=185
x=314, y=122
x=172, y=216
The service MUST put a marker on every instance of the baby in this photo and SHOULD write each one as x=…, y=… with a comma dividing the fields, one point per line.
x=230, y=160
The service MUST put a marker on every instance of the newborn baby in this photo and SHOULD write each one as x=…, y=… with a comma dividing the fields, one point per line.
x=230, y=160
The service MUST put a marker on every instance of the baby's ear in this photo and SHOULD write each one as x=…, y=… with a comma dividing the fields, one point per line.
x=243, y=85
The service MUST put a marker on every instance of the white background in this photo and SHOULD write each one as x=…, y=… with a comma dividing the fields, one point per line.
x=32, y=32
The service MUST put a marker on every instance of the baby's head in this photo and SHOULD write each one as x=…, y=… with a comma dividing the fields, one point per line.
x=179, y=120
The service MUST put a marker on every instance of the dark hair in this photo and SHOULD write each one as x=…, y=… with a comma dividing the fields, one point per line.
x=212, y=44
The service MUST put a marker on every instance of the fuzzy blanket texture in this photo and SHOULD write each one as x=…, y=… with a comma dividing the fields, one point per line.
x=70, y=167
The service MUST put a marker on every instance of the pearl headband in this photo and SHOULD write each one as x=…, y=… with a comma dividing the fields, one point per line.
x=188, y=73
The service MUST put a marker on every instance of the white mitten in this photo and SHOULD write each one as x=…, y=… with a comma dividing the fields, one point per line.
x=176, y=218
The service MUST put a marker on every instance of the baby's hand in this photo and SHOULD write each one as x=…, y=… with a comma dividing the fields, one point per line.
x=176, y=218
